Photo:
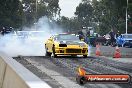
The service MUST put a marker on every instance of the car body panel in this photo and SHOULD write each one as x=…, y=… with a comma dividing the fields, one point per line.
x=66, y=47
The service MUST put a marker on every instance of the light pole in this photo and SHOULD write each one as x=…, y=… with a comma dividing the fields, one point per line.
x=126, y=16
x=36, y=14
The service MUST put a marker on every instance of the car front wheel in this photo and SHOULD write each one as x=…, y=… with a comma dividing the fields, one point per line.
x=85, y=56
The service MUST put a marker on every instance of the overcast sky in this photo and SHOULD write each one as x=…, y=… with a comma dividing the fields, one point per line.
x=68, y=7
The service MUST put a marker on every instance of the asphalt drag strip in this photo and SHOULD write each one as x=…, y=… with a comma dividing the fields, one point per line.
x=61, y=72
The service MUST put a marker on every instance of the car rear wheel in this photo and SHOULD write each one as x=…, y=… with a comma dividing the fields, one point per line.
x=85, y=56
x=73, y=55
x=47, y=53
x=119, y=45
x=126, y=45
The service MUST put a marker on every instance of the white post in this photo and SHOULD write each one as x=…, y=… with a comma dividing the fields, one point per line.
x=126, y=16
x=36, y=15
x=36, y=7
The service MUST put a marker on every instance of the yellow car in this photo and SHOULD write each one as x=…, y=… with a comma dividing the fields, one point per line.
x=65, y=44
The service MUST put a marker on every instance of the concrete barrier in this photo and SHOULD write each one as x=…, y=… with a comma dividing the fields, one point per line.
x=14, y=75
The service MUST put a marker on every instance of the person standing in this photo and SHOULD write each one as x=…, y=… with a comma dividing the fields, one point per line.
x=87, y=37
x=81, y=35
x=112, y=36
x=117, y=34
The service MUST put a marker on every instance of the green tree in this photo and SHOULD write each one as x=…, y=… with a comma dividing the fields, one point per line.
x=102, y=15
x=69, y=24
x=35, y=9
x=11, y=13
x=84, y=13
x=110, y=14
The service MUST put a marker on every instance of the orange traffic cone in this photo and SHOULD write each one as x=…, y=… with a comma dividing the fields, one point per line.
x=98, y=53
x=117, y=53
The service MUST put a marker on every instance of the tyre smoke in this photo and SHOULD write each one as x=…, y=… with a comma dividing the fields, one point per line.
x=29, y=43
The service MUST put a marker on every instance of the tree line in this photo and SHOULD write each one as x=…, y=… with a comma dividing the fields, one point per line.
x=19, y=13
x=102, y=15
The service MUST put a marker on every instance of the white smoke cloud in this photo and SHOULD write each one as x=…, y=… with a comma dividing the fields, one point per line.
x=13, y=45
